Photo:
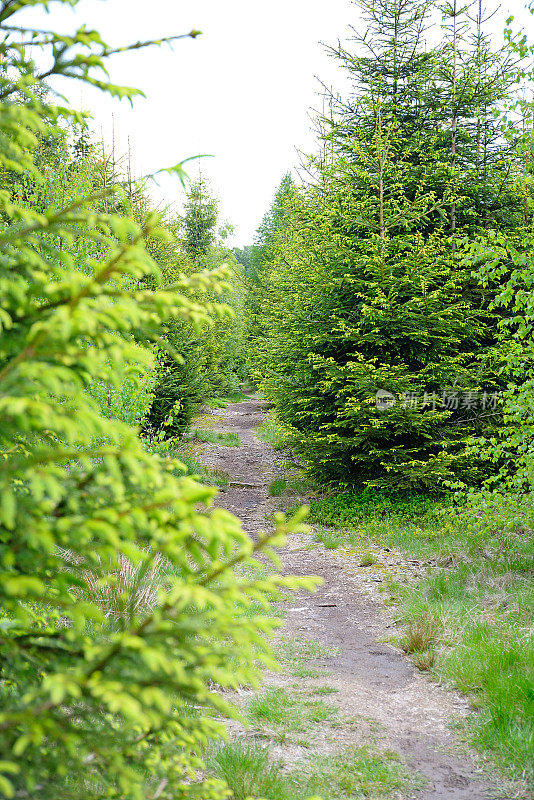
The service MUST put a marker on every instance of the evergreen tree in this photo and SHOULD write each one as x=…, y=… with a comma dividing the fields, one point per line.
x=368, y=291
x=200, y=220
x=121, y=615
x=258, y=274
x=194, y=365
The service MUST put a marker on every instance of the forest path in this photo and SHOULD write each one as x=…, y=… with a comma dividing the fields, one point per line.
x=378, y=692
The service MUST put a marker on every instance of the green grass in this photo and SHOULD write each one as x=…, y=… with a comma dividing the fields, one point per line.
x=358, y=774
x=324, y=690
x=328, y=539
x=222, y=402
x=353, y=774
x=295, y=655
x=272, y=432
x=247, y=771
x=291, y=712
x=225, y=439
x=290, y=486
x=277, y=487
x=470, y=619
x=368, y=558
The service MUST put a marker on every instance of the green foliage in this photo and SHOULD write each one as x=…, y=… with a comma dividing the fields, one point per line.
x=121, y=614
x=273, y=433
x=196, y=364
x=199, y=221
x=506, y=498
x=365, y=288
x=349, y=509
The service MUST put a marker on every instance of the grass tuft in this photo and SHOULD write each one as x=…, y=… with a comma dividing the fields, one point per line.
x=277, y=487
x=224, y=439
x=353, y=774
x=420, y=635
x=292, y=712
x=368, y=559
x=248, y=772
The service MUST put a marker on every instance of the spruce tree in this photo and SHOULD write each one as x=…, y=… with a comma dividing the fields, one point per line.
x=368, y=291
x=199, y=221
x=121, y=614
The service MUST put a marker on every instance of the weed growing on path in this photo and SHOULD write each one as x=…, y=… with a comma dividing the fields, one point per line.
x=327, y=538
x=295, y=656
x=224, y=439
x=291, y=712
x=353, y=774
x=368, y=559
x=272, y=432
x=324, y=690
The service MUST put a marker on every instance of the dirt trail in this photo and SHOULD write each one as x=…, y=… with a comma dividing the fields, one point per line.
x=375, y=682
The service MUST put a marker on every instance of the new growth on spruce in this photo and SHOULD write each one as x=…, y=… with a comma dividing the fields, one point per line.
x=122, y=615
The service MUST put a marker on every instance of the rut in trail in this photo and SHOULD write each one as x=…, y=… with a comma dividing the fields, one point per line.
x=376, y=682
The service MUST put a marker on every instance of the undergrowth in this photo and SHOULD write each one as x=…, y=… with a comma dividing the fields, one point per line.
x=470, y=619
x=355, y=773
x=272, y=432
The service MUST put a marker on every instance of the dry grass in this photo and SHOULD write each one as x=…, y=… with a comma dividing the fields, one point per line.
x=420, y=635
x=121, y=588
x=424, y=661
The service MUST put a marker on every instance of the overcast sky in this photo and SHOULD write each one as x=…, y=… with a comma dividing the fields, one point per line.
x=242, y=91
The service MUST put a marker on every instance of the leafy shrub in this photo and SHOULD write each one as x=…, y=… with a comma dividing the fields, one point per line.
x=347, y=509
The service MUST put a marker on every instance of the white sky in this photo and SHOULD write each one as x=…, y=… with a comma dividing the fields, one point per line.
x=242, y=91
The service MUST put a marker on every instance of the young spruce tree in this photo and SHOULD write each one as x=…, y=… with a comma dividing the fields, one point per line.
x=121, y=614
x=369, y=292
